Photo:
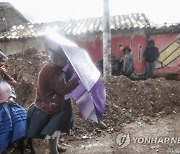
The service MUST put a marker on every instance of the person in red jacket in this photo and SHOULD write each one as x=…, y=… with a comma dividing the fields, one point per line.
x=51, y=112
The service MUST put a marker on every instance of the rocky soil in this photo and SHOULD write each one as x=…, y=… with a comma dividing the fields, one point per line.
x=127, y=100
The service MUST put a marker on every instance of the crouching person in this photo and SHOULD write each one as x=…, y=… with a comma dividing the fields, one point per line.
x=51, y=113
x=13, y=117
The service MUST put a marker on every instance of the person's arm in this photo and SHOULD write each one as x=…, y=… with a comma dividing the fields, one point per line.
x=69, y=72
x=62, y=88
x=6, y=76
x=124, y=65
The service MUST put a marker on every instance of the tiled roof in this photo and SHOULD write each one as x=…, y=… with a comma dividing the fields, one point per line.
x=83, y=26
x=163, y=29
x=76, y=27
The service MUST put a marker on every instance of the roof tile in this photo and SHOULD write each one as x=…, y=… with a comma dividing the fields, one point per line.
x=77, y=27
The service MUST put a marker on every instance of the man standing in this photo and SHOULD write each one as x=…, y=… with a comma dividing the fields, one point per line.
x=151, y=54
x=127, y=61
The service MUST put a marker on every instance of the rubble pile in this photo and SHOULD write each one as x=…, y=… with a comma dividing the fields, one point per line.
x=24, y=68
x=127, y=100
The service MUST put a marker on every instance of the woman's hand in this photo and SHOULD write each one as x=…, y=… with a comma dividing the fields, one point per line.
x=13, y=81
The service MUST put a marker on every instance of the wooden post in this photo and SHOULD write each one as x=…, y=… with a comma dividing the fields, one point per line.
x=106, y=40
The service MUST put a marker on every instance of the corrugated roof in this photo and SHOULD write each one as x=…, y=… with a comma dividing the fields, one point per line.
x=76, y=27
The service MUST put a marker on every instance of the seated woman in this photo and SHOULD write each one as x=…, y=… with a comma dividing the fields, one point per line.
x=13, y=117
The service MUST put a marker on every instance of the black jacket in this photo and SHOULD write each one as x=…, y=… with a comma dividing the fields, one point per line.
x=151, y=54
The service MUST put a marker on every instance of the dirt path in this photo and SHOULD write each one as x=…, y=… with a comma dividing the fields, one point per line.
x=162, y=129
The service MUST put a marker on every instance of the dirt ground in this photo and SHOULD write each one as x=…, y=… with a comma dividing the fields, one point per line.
x=141, y=108
x=159, y=127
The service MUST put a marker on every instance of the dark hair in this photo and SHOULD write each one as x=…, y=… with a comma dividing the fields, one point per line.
x=56, y=55
x=151, y=42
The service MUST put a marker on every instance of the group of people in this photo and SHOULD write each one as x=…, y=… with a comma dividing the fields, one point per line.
x=49, y=115
x=151, y=55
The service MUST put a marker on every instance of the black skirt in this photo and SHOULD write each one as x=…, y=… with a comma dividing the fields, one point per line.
x=41, y=123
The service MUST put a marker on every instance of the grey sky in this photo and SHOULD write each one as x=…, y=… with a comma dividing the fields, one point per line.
x=158, y=11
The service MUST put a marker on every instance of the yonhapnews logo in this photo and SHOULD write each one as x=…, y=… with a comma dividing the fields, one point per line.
x=123, y=140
